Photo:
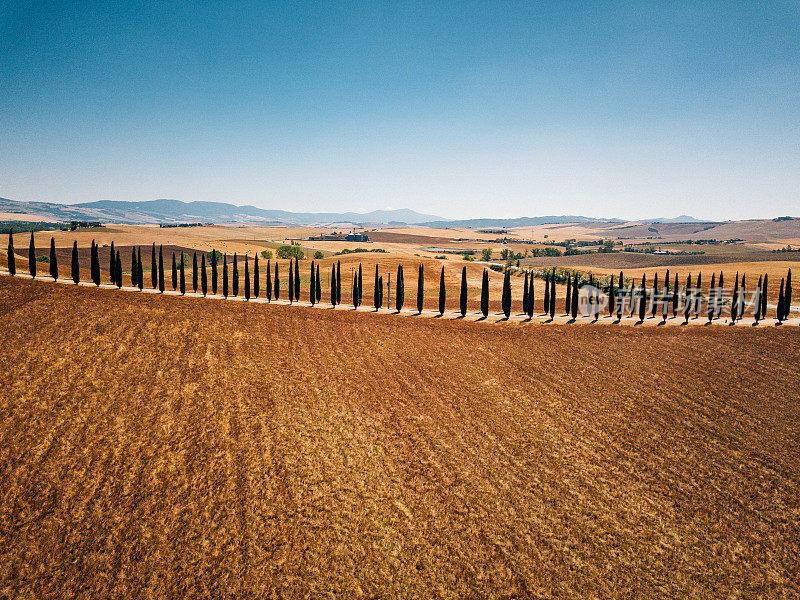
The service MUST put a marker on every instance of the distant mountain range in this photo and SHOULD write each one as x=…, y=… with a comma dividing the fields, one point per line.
x=175, y=211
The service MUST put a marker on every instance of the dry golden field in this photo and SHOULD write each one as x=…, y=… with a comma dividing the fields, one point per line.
x=158, y=446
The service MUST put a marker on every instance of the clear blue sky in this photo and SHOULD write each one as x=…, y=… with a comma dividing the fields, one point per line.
x=458, y=109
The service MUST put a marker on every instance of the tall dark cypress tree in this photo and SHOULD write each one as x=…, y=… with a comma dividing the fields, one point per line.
x=360, y=284
x=505, y=298
x=182, y=278
x=442, y=292
x=711, y=300
x=420, y=289
x=338, y=282
x=546, y=293
x=276, y=289
x=312, y=291
x=319, y=286
x=688, y=298
x=225, y=275
x=269, y=281
x=525, y=295
x=485, y=294
x=92, y=259
x=553, y=295
x=764, y=297
x=139, y=271
x=654, y=297
x=787, y=295
x=735, y=299
x=377, y=290
x=119, y=270
x=53, y=260
x=12, y=263
x=174, y=273
x=698, y=296
x=742, y=296
x=718, y=296
x=780, y=303
x=462, y=300
x=575, y=288
x=333, y=285
x=246, y=279
x=612, y=298
x=757, y=308
x=291, y=282
x=380, y=292
x=235, y=276
x=154, y=268
x=665, y=299
x=643, y=300
x=531, y=297
x=76, y=268
x=568, y=297
x=112, y=264
x=256, y=278
x=214, y=272
x=161, y=268
x=203, y=276
x=296, y=279
x=356, y=298
x=194, y=272
x=401, y=289
x=134, y=268
x=32, y=257
x=675, y=297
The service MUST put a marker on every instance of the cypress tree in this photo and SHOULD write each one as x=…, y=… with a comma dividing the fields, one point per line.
x=485, y=294
x=643, y=300
x=377, y=289
x=134, y=268
x=174, y=273
x=687, y=298
x=182, y=278
x=194, y=272
x=32, y=257
x=675, y=297
x=225, y=275
x=765, y=289
x=161, y=268
x=269, y=281
x=112, y=264
x=214, y=272
x=380, y=292
x=780, y=303
x=235, y=276
x=312, y=289
x=612, y=298
x=553, y=294
x=525, y=295
x=95, y=263
x=574, y=299
x=787, y=301
x=12, y=264
x=53, y=260
x=203, y=276
x=256, y=277
x=319, y=286
x=742, y=296
x=698, y=297
x=338, y=282
x=401, y=289
x=531, y=297
x=654, y=297
x=154, y=268
x=119, y=270
x=711, y=299
x=568, y=298
x=420, y=289
x=665, y=298
x=757, y=309
x=76, y=268
x=505, y=299
x=139, y=270
x=333, y=285
x=354, y=291
x=546, y=293
x=360, y=285
x=735, y=299
x=718, y=297
x=277, y=287
x=442, y=292
x=246, y=279
x=462, y=301
x=296, y=279
x=291, y=282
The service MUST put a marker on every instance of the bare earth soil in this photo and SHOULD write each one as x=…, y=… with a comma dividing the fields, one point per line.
x=157, y=446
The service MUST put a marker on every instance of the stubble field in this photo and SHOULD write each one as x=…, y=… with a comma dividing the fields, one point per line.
x=173, y=447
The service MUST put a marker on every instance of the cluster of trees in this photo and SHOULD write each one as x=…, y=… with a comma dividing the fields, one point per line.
x=623, y=296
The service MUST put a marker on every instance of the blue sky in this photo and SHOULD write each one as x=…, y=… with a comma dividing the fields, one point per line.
x=628, y=110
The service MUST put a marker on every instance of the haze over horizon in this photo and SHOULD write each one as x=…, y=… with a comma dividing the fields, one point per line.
x=522, y=109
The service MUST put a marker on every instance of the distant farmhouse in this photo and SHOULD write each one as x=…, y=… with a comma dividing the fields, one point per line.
x=340, y=237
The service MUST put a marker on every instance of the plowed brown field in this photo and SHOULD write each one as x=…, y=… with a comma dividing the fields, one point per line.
x=170, y=447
